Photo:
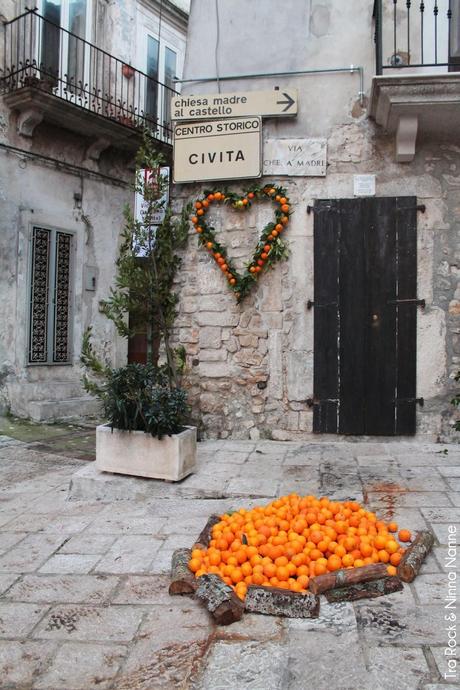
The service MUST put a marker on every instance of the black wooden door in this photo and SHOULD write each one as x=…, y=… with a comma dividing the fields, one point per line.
x=365, y=280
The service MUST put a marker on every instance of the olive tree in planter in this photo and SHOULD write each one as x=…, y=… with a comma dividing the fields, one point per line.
x=147, y=433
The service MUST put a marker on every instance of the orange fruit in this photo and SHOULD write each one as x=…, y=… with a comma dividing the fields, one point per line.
x=395, y=558
x=270, y=570
x=393, y=527
x=404, y=535
x=391, y=570
x=258, y=578
x=320, y=569
x=247, y=572
x=391, y=546
x=358, y=563
x=347, y=560
x=236, y=575
x=384, y=556
x=334, y=563
x=380, y=542
x=194, y=564
x=285, y=208
x=366, y=550
x=282, y=573
x=340, y=551
x=214, y=558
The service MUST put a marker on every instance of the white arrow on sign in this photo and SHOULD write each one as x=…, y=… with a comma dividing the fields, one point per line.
x=276, y=103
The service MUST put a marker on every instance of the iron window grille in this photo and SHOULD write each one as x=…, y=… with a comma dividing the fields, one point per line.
x=50, y=296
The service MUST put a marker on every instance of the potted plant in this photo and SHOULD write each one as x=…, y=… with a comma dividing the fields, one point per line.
x=146, y=409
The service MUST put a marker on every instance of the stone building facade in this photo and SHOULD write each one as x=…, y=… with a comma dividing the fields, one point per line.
x=79, y=80
x=251, y=367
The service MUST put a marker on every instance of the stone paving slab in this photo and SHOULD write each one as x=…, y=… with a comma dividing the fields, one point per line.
x=87, y=572
x=93, y=589
x=79, y=666
x=21, y=662
x=393, y=667
x=251, y=665
x=90, y=623
x=17, y=620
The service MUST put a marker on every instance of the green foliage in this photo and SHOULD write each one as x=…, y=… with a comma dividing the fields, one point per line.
x=456, y=401
x=137, y=397
x=142, y=300
x=141, y=397
x=242, y=284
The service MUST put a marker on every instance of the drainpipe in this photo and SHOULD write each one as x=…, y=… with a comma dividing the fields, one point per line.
x=333, y=70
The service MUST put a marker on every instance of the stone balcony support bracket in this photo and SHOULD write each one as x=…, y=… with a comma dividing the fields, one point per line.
x=408, y=105
x=406, y=136
x=28, y=120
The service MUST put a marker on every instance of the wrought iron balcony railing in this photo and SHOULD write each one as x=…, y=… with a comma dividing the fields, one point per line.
x=422, y=36
x=41, y=55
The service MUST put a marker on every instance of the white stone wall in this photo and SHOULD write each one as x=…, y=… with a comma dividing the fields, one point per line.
x=250, y=366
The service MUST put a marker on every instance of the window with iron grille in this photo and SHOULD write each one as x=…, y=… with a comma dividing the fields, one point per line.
x=50, y=290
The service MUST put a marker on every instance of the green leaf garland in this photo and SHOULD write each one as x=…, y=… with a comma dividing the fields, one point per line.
x=270, y=247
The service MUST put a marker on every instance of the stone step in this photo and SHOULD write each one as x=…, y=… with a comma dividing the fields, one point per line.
x=53, y=410
x=49, y=390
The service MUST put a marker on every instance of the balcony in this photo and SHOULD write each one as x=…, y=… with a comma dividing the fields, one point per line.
x=52, y=75
x=416, y=90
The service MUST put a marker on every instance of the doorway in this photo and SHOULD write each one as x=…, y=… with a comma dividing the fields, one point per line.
x=365, y=307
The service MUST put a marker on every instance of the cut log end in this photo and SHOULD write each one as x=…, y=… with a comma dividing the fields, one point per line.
x=220, y=599
x=183, y=580
x=413, y=558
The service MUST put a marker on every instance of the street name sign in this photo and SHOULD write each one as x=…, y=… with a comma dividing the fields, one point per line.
x=302, y=157
x=219, y=150
x=276, y=103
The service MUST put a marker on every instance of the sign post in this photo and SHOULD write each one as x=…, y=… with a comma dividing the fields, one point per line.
x=218, y=150
x=277, y=103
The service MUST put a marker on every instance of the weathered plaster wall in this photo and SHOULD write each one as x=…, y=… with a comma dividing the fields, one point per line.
x=33, y=193
x=250, y=367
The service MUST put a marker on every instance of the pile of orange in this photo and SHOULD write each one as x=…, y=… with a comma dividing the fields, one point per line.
x=295, y=538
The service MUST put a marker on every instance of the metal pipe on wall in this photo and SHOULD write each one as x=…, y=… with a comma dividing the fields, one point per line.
x=331, y=70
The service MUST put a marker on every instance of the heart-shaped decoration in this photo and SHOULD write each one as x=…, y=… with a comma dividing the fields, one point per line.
x=269, y=249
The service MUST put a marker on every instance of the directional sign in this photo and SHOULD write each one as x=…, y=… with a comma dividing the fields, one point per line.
x=277, y=103
x=218, y=150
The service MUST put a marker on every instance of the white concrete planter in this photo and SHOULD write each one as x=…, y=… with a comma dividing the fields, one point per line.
x=140, y=454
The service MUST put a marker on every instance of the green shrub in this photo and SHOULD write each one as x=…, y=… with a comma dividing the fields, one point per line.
x=137, y=397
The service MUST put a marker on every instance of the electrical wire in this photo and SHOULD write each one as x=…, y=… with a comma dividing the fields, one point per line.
x=63, y=165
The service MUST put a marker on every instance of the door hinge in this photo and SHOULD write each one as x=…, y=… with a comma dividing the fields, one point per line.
x=311, y=304
x=311, y=402
x=414, y=300
x=420, y=401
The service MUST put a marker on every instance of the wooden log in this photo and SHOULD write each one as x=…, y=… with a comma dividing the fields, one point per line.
x=412, y=560
x=183, y=581
x=220, y=599
x=346, y=577
x=205, y=535
x=274, y=601
x=365, y=590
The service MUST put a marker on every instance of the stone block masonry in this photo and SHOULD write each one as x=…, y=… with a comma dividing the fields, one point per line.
x=250, y=366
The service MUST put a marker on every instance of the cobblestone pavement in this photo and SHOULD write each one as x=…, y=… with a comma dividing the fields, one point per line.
x=83, y=582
